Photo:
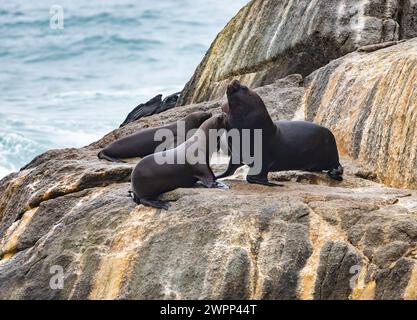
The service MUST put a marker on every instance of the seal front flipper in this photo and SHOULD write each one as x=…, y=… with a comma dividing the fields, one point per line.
x=221, y=185
x=214, y=185
x=155, y=203
x=102, y=155
x=262, y=179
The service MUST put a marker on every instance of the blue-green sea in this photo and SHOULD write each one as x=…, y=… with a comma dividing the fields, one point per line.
x=70, y=71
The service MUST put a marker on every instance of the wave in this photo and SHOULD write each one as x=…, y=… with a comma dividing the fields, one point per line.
x=55, y=56
x=188, y=23
x=149, y=91
x=71, y=21
x=20, y=21
x=15, y=150
x=11, y=13
x=150, y=14
x=87, y=45
x=24, y=24
x=4, y=53
x=115, y=39
x=101, y=18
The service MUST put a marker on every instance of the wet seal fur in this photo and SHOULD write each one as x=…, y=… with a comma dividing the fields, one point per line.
x=286, y=145
x=142, y=143
x=150, y=179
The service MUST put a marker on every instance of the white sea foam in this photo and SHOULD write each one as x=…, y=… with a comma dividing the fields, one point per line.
x=14, y=149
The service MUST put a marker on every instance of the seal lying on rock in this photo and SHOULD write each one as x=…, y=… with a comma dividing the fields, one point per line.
x=153, y=177
x=142, y=143
x=286, y=145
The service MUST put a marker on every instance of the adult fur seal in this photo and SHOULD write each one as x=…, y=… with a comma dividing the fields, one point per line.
x=286, y=145
x=142, y=143
x=150, y=178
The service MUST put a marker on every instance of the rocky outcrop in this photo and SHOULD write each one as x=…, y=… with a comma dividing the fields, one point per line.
x=67, y=213
x=407, y=15
x=309, y=239
x=271, y=39
x=369, y=101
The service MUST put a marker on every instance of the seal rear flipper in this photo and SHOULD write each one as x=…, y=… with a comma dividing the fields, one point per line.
x=102, y=155
x=336, y=173
x=155, y=203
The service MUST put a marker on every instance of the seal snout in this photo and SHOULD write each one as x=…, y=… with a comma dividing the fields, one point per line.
x=233, y=87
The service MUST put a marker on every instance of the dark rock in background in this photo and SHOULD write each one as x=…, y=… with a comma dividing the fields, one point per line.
x=154, y=106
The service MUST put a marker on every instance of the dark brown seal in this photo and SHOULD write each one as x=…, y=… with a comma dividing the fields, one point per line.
x=143, y=143
x=150, y=178
x=286, y=145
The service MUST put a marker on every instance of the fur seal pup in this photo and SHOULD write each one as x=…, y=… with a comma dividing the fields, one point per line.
x=150, y=178
x=286, y=145
x=142, y=143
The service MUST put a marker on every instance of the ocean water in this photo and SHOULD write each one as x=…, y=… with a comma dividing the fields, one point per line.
x=67, y=87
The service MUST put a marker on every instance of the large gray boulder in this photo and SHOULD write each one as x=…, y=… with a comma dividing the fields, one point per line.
x=369, y=100
x=270, y=39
